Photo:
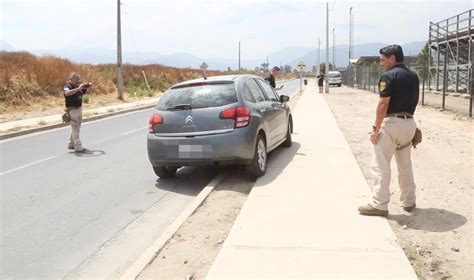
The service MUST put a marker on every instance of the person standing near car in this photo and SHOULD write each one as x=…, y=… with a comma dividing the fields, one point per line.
x=271, y=78
x=320, y=78
x=393, y=132
x=73, y=92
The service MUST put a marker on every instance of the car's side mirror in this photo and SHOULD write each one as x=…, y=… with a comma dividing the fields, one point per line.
x=284, y=98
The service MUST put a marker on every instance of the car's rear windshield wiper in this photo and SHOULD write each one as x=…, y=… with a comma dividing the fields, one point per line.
x=180, y=107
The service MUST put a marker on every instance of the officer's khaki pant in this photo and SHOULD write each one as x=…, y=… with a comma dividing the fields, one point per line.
x=395, y=132
x=76, y=120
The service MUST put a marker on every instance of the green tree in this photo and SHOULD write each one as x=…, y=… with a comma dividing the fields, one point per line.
x=423, y=67
x=422, y=63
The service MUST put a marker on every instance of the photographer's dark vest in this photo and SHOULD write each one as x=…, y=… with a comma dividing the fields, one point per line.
x=73, y=100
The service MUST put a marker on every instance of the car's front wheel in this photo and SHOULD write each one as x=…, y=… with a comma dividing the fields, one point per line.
x=165, y=171
x=288, y=140
x=258, y=166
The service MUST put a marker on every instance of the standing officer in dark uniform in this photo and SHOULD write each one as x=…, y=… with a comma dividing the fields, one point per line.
x=394, y=127
x=271, y=78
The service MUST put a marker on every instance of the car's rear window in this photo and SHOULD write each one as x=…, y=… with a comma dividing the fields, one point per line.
x=199, y=96
x=334, y=75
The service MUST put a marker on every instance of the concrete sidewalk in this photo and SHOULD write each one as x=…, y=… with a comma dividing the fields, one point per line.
x=301, y=219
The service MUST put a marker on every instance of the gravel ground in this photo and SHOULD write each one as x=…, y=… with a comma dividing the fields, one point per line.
x=437, y=237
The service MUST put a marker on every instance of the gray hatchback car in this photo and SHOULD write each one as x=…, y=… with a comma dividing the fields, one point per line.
x=219, y=120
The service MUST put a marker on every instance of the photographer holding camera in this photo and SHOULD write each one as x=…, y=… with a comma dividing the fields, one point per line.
x=73, y=92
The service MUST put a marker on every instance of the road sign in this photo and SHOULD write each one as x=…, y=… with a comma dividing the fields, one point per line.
x=301, y=65
x=204, y=66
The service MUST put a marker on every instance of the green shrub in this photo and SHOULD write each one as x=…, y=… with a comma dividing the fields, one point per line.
x=86, y=98
x=107, y=74
x=138, y=91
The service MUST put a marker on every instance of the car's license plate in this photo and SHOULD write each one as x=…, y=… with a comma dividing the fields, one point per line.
x=194, y=151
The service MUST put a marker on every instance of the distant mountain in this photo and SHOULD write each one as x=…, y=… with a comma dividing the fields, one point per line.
x=342, y=53
x=4, y=46
x=287, y=56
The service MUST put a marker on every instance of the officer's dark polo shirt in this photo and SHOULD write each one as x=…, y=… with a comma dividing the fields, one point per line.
x=74, y=100
x=271, y=80
x=402, y=86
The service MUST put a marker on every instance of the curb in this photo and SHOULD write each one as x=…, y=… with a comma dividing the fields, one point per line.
x=150, y=254
x=48, y=127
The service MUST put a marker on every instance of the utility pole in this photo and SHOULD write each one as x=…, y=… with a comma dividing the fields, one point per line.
x=327, y=51
x=334, y=48
x=319, y=57
x=267, y=64
x=351, y=36
x=119, y=55
x=239, y=56
x=351, y=48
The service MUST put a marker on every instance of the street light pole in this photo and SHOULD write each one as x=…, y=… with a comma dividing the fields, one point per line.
x=334, y=48
x=327, y=51
x=119, y=54
x=239, y=56
x=319, y=56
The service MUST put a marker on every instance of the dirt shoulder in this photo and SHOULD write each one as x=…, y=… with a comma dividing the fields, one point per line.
x=437, y=237
x=194, y=247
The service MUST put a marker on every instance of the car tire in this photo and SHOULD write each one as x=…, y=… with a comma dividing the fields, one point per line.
x=258, y=166
x=288, y=140
x=165, y=171
x=339, y=85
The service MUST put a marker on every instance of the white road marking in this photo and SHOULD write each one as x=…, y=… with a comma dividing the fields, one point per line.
x=25, y=166
x=135, y=130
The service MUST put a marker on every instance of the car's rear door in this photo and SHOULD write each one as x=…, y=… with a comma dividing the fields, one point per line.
x=279, y=122
x=255, y=95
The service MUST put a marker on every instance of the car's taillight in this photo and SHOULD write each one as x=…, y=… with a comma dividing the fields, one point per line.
x=154, y=120
x=241, y=115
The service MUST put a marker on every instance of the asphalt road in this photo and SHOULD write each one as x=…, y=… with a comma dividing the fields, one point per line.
x=67, y=215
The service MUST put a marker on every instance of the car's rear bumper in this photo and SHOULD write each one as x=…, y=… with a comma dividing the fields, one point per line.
x=235, y=147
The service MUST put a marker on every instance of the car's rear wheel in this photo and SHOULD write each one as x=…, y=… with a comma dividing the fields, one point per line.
x=339, y=85
x=258, y=166
x=288, y=140
x=165, y=171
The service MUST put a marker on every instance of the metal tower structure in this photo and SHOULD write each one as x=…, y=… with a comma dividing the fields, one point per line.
x=451, y=55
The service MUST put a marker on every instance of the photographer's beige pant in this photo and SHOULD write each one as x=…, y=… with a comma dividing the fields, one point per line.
x=395, y=132
x=76, y=119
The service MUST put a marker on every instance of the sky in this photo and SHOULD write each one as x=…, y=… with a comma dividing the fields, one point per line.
x=211, y=28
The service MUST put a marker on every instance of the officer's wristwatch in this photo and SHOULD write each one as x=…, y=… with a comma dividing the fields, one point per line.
x=374, y=128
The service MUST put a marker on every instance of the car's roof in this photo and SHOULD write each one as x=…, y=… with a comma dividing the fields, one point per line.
x=221, y=78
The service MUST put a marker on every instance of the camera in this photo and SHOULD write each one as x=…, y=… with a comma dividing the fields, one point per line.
x=87, y=86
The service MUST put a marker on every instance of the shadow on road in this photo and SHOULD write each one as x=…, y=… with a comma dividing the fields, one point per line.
x=191, y=180
x=278, y=160
x=188, y=180
x=430, y=219
x=89, y=153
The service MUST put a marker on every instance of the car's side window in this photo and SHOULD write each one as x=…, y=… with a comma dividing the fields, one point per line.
x=268, y=91
x=255, y=90
x=248, y=95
